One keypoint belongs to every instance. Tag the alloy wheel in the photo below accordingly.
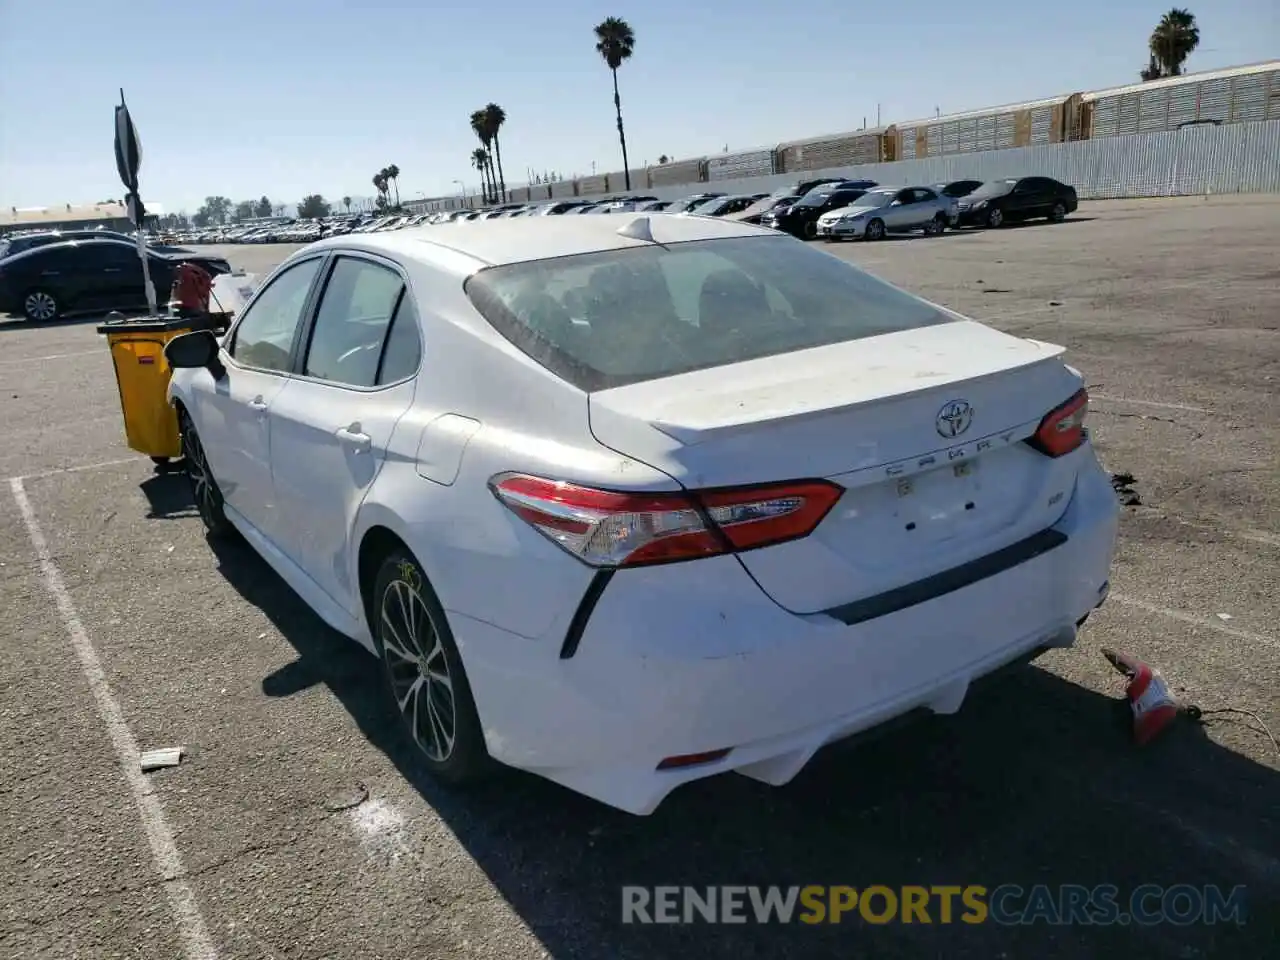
(1058, 213)
(418, 668)
(875, 230)
(995, 217)
(40, 306)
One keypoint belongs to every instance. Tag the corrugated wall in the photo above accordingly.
(678, 172)
(735, 166)
(1233, 158)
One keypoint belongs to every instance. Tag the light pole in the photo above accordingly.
(462, 190)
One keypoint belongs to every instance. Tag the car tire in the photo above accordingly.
(994, 218)
(40, 306)
(810, 230)
(424, 674)
(874, 230)
(1058, 213)
(204, 488)
(936, 226)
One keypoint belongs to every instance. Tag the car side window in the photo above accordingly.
(403, 350)
(904, 196)
(264, 336)
(924, 196)
(351, 323)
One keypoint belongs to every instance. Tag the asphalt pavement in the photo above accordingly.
(298, 824)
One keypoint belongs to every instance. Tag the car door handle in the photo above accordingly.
(355, 437)
(258, 404)
(110, 269)
(50, 273)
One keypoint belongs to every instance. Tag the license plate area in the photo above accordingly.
(939, 504)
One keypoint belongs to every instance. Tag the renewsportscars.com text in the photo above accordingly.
(1007, 904)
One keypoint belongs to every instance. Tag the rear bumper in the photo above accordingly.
(685, 659)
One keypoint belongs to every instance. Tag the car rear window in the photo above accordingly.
(608, 319)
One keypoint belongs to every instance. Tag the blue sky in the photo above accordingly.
(288, 97)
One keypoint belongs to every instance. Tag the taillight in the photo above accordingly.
(1062, 429)
(607, 528)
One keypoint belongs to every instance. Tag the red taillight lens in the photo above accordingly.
(1062, 429)
(606, 528)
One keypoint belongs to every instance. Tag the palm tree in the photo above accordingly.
(380, 184)
(480, 125)
(494, 118)
(615, 42)
(480, 160)
(1172, 41)
(346, 202)
(393, 174)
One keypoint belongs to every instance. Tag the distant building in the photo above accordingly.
(108, 216)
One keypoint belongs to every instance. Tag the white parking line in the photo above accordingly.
(58, 356)
(1202, 622)
(182, 901)
(84, 466)
(1150, 403)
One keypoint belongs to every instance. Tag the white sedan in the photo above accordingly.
(632, 501)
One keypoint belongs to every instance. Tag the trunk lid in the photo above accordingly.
(922, 428)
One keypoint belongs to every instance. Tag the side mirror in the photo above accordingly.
(195, 351)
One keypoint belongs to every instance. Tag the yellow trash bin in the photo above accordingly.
(142, 374)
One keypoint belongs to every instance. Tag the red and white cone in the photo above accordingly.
(1154, 707)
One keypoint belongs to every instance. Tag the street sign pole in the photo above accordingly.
(128, 162)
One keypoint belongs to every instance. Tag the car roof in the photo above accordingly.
(521, 239)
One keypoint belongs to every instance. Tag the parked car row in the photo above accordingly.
(864, 210)
(828, 208)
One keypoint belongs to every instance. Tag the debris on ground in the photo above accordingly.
(348, 798)
(1150, 699)
(1123, 483)
(159, 759)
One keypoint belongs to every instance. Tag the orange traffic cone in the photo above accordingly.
(1153, 706)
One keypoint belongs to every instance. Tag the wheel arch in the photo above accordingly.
(376, 544)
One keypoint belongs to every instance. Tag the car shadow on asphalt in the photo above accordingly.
(1035, 781)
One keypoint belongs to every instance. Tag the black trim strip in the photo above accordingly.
(578, 625)
(948, 581)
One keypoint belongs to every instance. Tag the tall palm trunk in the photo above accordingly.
(396, 183)
(490, 185)
(502, 180)
(622, 137)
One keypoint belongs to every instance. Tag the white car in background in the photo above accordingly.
(886, 210)
(632, 501)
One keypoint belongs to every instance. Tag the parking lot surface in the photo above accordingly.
(298, 826)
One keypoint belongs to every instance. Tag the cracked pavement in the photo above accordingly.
(307, 831)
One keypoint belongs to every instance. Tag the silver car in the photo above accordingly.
(889, 210)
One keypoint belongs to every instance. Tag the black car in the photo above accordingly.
(957, 188)
(757, 210)
(801, 187)
(688, 203)
(997, 202)
(12, 246)
(88, 276)
(800, 219)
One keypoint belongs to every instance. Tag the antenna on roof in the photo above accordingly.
(638, 229)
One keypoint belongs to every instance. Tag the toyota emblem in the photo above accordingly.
(954, 419)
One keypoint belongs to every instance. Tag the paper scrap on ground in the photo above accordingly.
(158, 759)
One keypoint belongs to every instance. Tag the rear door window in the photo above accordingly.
(359, 300)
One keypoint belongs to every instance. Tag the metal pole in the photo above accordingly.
(146, 273)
